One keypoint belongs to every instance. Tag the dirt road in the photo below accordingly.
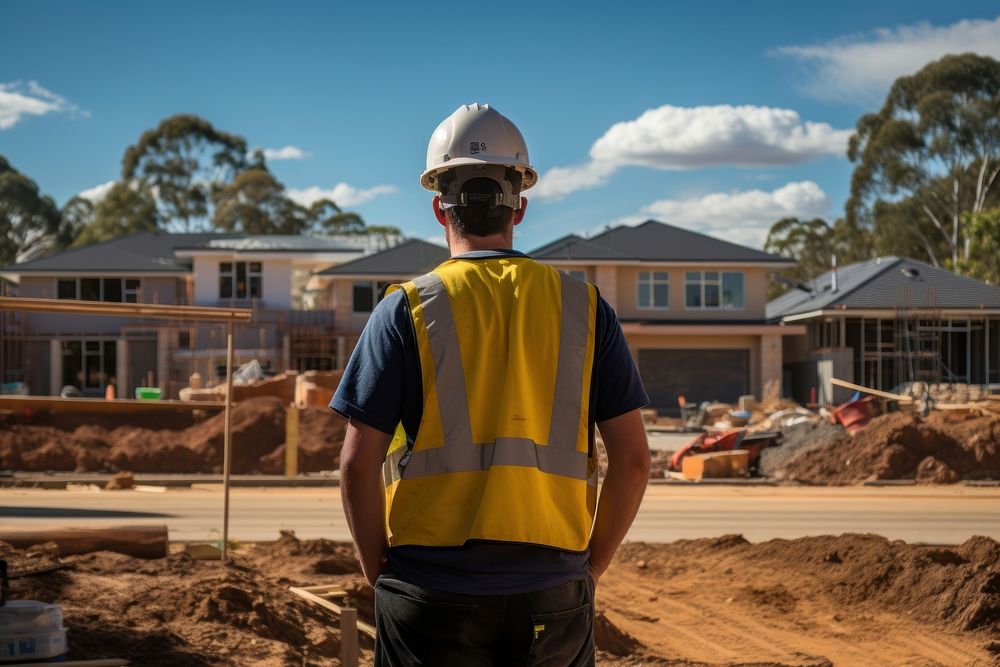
(934, 515)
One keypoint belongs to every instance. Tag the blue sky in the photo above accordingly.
(720, 117)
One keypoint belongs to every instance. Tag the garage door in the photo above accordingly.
(698, 375)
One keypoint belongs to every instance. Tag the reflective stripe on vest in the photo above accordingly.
(459, 454)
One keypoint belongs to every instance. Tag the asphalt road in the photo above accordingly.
(936, 515)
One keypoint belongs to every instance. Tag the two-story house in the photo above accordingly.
(269, 273)
(692, 306)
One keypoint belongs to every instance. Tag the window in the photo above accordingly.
(132, 290)
(713, 289)
(66, 289)
(90, 289)
(240, 280)
(89, 365)
(653, 289)
(366, 294)
(113, 290)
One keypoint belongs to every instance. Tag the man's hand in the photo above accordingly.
(363, 494)
(623, 488)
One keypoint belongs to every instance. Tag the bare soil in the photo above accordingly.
(853, 599)
(175, 443)
(945, 447)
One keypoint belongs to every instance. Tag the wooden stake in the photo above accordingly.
(349, 637)
(291, 441)
(308, 593)
(227, 442)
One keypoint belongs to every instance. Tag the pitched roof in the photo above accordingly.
(887, 282)
(142, 252)
(651, 241)
(410, 258)
(150, 252)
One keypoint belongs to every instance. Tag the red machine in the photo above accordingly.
(725, 441)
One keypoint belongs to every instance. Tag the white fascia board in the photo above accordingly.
(893, 313)
(368, 276)
(638, 262)
(721, 328)
(97, 273)
(338, 256)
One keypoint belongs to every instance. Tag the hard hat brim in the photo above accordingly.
(428, 179)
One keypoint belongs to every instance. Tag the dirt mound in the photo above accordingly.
(796, 440)
(610, 639)
(959, 586)
(176, 610)
(901, 445)
(851, 599)
(153, 442)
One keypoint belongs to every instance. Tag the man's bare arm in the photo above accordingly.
(624, 485)
(363, 493)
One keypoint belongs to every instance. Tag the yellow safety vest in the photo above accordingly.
(502, 453)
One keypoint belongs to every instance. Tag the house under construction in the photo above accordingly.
(887, 322)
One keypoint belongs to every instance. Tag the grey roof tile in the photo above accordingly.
(652, 241)
(887, 282)
(141, 252)
(410, 258)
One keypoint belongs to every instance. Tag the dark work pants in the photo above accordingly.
(420, 626)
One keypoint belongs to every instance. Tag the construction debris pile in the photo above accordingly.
(871, 438)
(805, 601)
(170, 442)
(942, 448)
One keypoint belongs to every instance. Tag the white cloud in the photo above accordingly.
(558, 182)
(98, 192)
(866, 65)
(18, 100)
(681, 138)
(742, 216)
(341, 194)
(285, 153)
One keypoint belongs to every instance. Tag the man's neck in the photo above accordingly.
(460, 244)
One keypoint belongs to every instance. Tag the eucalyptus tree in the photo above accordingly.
(930, 155)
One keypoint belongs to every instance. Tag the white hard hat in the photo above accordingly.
(476, 134)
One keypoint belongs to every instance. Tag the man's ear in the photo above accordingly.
(439, 213)
(519, 214)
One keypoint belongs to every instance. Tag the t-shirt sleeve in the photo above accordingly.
(617, 386)
(371, 389)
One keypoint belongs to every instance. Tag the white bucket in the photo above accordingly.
(31, 630)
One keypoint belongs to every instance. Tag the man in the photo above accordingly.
(475, 390)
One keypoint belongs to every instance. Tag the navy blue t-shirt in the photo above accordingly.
(381, 387)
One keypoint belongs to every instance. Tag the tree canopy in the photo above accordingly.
(928, 156)
(255, 202)
(813, 243)
(127, 208)
(28, 219)
(184, 160)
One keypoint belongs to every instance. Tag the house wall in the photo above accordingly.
(169, 290)
(275, 278)
(622, 281)
(340, 298)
